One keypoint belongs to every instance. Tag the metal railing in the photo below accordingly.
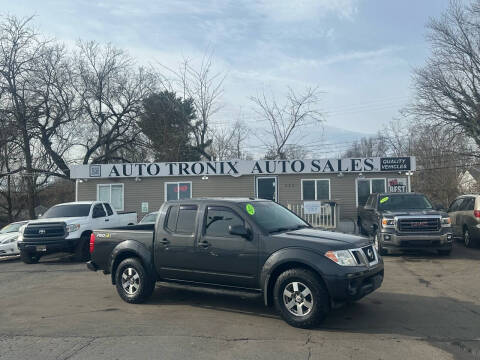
(326, 217)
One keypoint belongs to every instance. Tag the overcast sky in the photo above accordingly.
(359, 52)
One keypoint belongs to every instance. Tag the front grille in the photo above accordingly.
(419, 225)
(44, 231)
(365, 256)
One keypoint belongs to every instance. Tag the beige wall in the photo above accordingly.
(151, 189)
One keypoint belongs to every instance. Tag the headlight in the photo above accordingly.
(342, 257)
(73, 227)
(388, 223)
(446, 222)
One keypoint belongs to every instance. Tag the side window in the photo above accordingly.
(171, 222)
(108, 208)
(218, 221)
(98, 211)
(369, 202)
(454, 205)
(469, 204)
(186, 219)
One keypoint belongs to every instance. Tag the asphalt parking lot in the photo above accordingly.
(427, 308)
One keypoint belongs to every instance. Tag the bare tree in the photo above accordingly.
(228, 143)
(286, 119)
(20, 51)
(110, 91)
(368, 147)
(205, 87)
(447, 87)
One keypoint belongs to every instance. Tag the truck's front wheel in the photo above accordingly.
(29, 257)
(301, 298)
(134, 284)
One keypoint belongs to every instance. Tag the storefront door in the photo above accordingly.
(267, 188)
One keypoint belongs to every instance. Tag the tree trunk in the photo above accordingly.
(30, 181)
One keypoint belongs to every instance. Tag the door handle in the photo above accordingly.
(164, 242)
(107, 219)
(204, 244)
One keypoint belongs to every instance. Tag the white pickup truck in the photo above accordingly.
(67, 228)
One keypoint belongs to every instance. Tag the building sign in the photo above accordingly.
(243, 167)
(395, 164)
(144, 207)
(396, 185)
(312, 207)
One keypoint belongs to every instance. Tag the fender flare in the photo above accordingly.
(133, 248)
(288, 255)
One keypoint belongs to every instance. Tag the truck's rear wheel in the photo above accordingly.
(29, 257)
(301, 298)
(134, 284)
(82, 250)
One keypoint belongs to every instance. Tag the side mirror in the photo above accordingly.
(239, 230)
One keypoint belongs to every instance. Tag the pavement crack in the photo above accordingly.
(76, 351)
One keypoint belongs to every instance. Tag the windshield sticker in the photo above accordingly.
(250, 209)
(384, 199)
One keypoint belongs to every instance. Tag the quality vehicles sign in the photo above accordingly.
(243, 167)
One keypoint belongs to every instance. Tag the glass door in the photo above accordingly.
(267, 188)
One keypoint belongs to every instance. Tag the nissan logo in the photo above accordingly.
(41, 231)
(370, 253)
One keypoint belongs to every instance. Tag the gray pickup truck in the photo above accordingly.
(244, 244)
(405, 221)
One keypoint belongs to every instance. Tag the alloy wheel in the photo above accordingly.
(130, 281)
(298, 298)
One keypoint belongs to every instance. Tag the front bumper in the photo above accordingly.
(48, 246)
(432, 241)
(354, 283)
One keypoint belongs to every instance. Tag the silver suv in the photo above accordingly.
(464, 213)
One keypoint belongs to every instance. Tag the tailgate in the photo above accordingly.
(106, 240)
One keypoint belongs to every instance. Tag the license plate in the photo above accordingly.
(41, 248)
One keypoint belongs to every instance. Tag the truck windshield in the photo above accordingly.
(71, 210)
(403, 202)
(273, 217)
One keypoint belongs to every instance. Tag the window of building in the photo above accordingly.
(178, 190)
(318, 189)
(365, 187)
(111, 193)
(181, 219)
(218, 221)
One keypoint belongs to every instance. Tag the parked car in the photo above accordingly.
(251, 245)
(405, 221)
(67, 228)
(8, 238)
(150, 218)
(465, 214)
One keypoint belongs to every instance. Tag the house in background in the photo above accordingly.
(469, 181)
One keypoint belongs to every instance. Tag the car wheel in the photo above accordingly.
(300, 298)
(467, 238)
(134, 284)
(378, 245)
(82, 250)
(29, 257)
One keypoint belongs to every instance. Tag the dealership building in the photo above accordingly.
(143, 187)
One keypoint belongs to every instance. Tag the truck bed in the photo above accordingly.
(106, 240)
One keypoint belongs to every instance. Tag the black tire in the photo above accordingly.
(378, 245)
(318, 299)
(29, 257)
(82, 250)
(467, 238)
(140, 285)
(445, 252)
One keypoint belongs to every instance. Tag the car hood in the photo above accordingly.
(66, 220)
(322, 240)
(413, 213)
(8, 236)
